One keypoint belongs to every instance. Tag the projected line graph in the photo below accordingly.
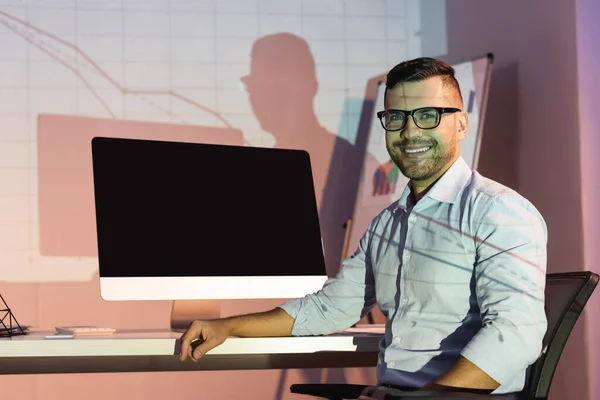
(163, 66)
(31, 34)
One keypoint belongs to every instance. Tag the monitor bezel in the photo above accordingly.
(193, 287)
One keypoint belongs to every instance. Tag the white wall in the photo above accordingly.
(164, 62)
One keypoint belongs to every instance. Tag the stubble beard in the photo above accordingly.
(421, 170)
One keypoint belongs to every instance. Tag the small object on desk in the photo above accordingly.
(13, 330)
(59, 337)
(84, 330)
(6, 321)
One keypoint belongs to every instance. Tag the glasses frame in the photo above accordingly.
(440, 110)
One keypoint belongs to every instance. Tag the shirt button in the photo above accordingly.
(397, 339)
(406, 256)
(392, 364)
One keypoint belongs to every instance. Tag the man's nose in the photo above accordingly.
(411, 129)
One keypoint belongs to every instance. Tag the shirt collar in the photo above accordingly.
(447, 188)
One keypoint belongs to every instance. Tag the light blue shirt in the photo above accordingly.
(461, 272)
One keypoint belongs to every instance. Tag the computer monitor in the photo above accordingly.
(190, 221)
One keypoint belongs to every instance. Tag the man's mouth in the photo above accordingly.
(416, 149)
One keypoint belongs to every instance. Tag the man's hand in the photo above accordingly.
(271, 323)
(210, 333)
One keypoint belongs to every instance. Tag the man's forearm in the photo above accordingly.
(464, 374)
(275, 322)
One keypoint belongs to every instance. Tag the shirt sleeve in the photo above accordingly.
(510, 278)
(343, 300)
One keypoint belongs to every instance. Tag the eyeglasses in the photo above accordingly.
(424, 117)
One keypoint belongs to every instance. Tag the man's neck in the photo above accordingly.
(419, 193)
(420, 188)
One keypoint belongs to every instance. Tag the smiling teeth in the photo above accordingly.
(421, 150)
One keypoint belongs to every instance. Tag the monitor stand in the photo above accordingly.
(184, 312)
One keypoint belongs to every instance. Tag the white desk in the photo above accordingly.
(144, 351)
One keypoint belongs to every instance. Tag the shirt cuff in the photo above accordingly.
(292, 307)
(297, 310)
(492, 355)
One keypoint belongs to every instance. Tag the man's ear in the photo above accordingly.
(463, 125)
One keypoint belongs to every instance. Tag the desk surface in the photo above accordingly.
(137, 351)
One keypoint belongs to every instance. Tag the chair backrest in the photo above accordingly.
(566, 295)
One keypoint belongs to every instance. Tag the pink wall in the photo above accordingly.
(588, 64)
(539, 51)
(531, 140)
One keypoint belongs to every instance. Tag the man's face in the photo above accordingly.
(425, 154)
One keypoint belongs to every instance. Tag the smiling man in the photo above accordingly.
(421, 141)
(457, 265)
(467, 242)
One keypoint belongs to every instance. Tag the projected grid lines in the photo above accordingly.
(169, 61)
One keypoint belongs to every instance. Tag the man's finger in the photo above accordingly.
(183, 349)
(186, 344)
(200, 347)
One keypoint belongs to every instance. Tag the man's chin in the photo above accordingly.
(412, 167)
(417, 174)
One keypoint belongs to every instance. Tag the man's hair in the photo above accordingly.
(420, 69)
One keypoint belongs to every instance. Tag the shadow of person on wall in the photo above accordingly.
(282, 86)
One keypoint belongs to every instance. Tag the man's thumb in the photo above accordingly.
(201, 349)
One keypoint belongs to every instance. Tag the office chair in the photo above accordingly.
(565, 297)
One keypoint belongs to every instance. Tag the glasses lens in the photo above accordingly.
(427, 118)
(393, 120)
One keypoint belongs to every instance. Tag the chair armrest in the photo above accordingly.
(333, 391)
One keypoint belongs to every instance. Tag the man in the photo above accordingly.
(457, 264)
